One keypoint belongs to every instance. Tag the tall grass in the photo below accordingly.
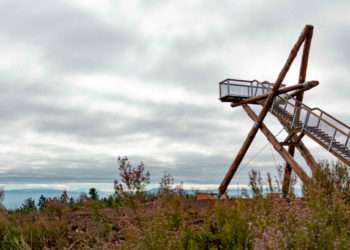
(320, 219)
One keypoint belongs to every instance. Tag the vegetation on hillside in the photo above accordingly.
(169, 219)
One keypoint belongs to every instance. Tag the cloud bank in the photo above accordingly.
(83, 82)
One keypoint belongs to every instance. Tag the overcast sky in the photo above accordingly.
(83, 82)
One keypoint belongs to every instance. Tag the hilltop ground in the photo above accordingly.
(172, 220)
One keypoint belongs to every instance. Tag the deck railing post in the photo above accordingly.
(285, 105)
(319, 120)
(333, 137)
(294, 117)
(306, 119)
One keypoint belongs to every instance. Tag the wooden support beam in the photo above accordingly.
(300, 88)
(269, 100)
(298, 138)
(278, 147)
(290, 135)
(293, 138)
(303, 150)
(291, 95)
(308, 157)
(293, 53)
(299, 97)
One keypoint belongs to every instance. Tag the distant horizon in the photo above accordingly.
(15, 194)
(102, 186)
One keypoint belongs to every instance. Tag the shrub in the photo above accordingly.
(64, 197)
(93, 194)
(28, 205)
(42, 202)
(133, 179)
(318, 220)
(166, 183)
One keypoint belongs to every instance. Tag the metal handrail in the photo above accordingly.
(310, 112)
(237, 80)
(319, 116)
(241, 85)
(332, 117)
(229, 80)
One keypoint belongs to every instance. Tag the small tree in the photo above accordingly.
(2, 197)
(132, 179)
(179, 189)
(28, 205)
(71, 202)
(42, 202)
(255, 183)
(109, 201)
(166, 183)
(82, 197)
(93, 194)
(64, 197)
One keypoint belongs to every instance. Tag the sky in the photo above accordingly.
(83, 82)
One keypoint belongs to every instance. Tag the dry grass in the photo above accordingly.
(320, 220)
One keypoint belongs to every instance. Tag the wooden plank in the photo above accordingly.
(269, 100)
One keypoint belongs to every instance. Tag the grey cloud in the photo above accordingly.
(74, 41)
(71, 39)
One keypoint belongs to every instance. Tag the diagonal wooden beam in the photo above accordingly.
(308, 157)
(269, 100)
(299, 97)
(297, 139)
(307, 29)
(289, 137)
(303, 150)
(278, 147)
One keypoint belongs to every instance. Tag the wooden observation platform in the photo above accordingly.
(299, 120)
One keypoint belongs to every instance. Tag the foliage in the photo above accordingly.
(166, 183)
(28, 205)
(167, 220)
(64, 197)
(42, 202)
(71, 202)
(93, 194)
(132, 179)
(2, 195)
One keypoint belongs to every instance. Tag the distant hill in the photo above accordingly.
(14, 198)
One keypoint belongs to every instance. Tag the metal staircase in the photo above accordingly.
(324, 129)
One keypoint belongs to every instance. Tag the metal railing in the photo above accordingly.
(243, 88)
(309, 118)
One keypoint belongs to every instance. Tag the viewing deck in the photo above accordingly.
(232, 90)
